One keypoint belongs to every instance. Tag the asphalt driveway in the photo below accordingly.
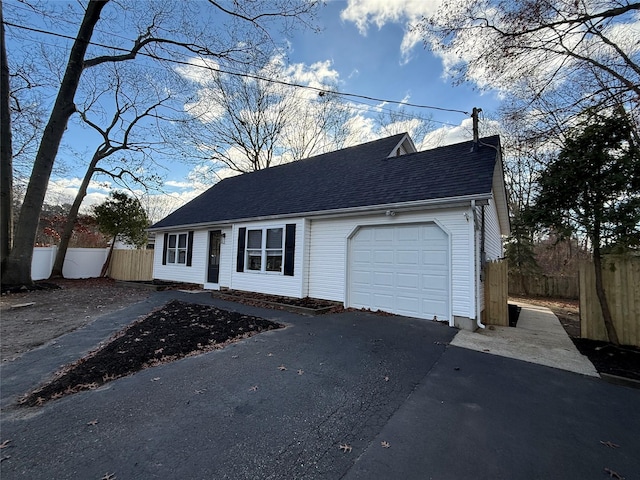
(351, 379)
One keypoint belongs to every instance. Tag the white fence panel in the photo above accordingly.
(78, 262)
(42, 262)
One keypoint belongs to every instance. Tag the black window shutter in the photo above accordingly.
(240, 258)
(164, 248)
(189, 247)
(289, 248)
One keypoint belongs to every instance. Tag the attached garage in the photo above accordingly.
(402, 269)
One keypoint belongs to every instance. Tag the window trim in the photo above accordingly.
(177, 250)
(289, 242)
(264, 250)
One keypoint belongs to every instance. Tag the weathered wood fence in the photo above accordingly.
(621, 278)
(544, 286)
(496, 293)
(131, 265)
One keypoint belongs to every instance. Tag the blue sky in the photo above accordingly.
(365, 46)
(373, 64)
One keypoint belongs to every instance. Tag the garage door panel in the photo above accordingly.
(408, 257)
(408, 280)
(382, 301)
(361, 256)
(407, 234)
(401, 269)
(382, 235)
(383, 257)
(383, 279)
(359, 277)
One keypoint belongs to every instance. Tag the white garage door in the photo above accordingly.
(400, 269)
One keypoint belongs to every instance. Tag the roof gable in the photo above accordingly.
(359, 176)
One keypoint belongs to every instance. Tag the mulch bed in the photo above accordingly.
(621, 361)
(176, 330)
(277, 301)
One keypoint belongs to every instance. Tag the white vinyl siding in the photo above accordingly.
(493, 241)
(328, 252)
(271, 283)
(181, 272)
(197, 272)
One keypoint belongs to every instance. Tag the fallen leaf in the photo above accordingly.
(254, 388)
(282, 368)
(93, 422)
(300, 371)
(613, 474)
(5, 444)
(609, 444)
(155, 379)
(345, 448)
(385, 444)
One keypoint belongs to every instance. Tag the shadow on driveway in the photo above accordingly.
(352, 379)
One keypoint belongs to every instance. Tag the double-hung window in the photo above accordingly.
(177, 248)
(264, 251)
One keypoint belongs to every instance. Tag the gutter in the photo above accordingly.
(461, 201)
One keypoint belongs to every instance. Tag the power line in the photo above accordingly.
(321, 91)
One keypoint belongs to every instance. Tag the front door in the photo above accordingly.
(214, 256)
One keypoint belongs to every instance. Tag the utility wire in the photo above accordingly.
(321, 91)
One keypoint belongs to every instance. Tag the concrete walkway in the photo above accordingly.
(538, 338)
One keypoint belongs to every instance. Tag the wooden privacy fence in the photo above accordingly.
(621, 278)
(544, 286)
(496, 293)
(131, 265)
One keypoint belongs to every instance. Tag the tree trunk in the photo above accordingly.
(18, 263)
(602, 297)
(6, 154)
(105, 267)
(56, 271)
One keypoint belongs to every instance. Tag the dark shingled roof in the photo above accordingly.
(352, 177)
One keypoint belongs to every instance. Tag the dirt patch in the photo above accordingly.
(58, 308)
(174, 331)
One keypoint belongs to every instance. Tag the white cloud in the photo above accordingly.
(450, 134)
(64, 190)
(380, 12)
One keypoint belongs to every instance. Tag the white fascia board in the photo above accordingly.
(448, 202)
(191, 226)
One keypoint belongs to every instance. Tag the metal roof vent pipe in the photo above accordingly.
(474, 117)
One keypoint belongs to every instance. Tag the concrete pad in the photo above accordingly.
(538, 338)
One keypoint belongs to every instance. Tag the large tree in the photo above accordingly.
(507, 42)
(592, 189)
(124, 136)
(6, 152)
(166, 30)
(552, 59)
(255, 118)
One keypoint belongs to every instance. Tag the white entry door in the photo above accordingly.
(400, 269)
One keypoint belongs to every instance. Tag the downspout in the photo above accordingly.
(476, 261)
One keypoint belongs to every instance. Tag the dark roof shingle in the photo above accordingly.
(352, 177)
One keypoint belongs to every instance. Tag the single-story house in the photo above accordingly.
(377, 226)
